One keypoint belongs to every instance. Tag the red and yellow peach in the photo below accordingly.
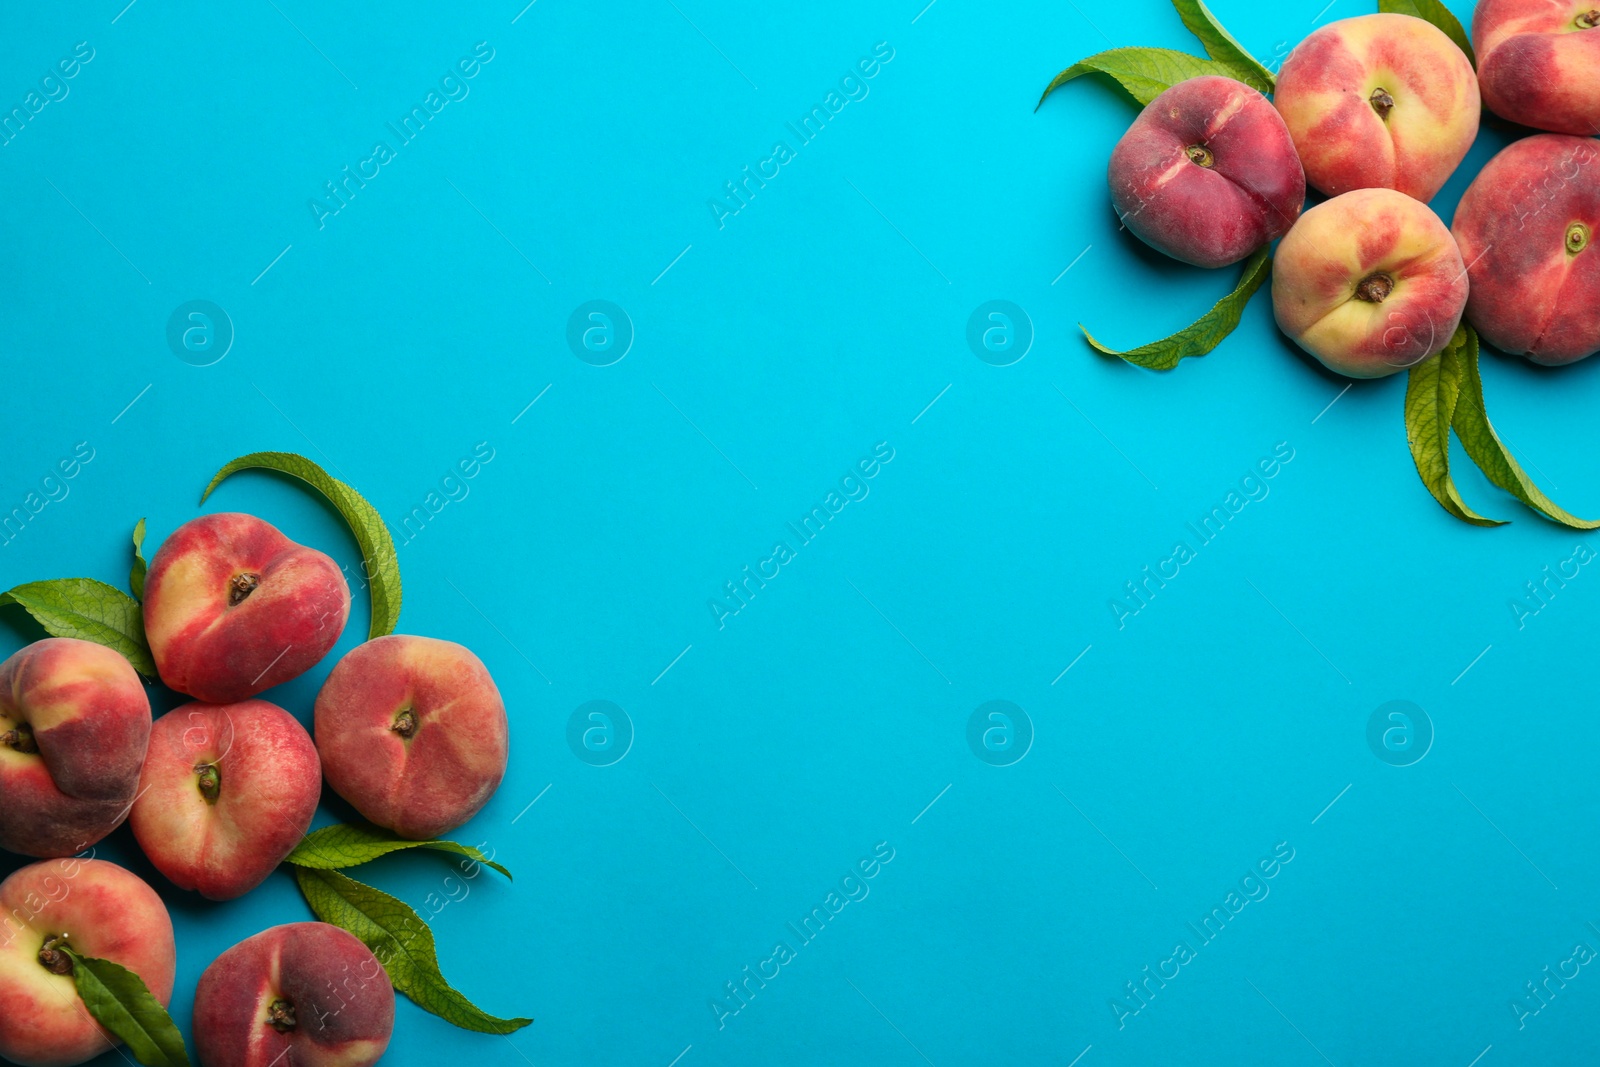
(228, 790)
(413, 733)
(1207, 173)
(1525, 227)
(307, 994)
(1539, 62)
(1379, 101)
(74, 721)
(99, 910)
(232, 607)
(1369, 282)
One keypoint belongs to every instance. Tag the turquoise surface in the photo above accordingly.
(845, 587)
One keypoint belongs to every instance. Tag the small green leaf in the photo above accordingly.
(1221, 46)
(1471, 423)
(402, 942)
(1206, 332)
(1145, 72)
(136, 576)
(336, 847)
(377, 547)
(119, 1000)
(90, 610)
(1435, 12)
(1433, 390)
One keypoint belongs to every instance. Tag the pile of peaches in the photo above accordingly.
(1376, 112)
(410, 730)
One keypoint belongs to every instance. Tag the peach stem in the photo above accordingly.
(20, 738)
(280, 1016)
(241, 586)
(51, 956)
(1381, 102)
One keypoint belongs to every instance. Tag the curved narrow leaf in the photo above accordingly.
(1433, 390)
(1221, 46)
(1471, 424)
(377, 546)
(1145, 72)
(401, 941)
(336, 847)
(119, 1000)
(136, 576)
(1206, 332)
(1435, 12)
(88, 610)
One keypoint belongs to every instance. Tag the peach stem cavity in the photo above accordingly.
(241, 586)
(20, 738)
(1375, 288)
(1381, 102)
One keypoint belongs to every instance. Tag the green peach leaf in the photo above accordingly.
(1206, 332)
(1145, 73)
(343, 845)
(88, 610)
(1221, 46)
(1471, 422)
(140, 567)
(1433, 391)
(1435, 12)
(402, 942)
(372, 535)
(119, 1000)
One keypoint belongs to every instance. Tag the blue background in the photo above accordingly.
(769, 355)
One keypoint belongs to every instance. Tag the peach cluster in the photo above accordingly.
(410, 730)
(1376, 113)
